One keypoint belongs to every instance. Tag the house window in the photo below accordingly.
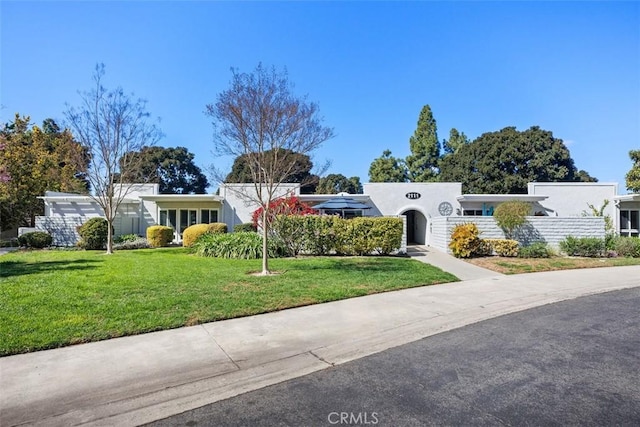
(472, 212)
(168, 218)
(187, 218)
(208, 216)
(629, 223)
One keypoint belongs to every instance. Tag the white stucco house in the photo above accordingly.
(431, 210)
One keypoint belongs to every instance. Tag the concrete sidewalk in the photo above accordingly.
(459, 268)
(134, 380)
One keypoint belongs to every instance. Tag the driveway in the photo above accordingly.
(575, 362)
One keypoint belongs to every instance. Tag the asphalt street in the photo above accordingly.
(575, 362)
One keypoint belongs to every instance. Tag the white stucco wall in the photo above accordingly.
(390, 198)
(570, 199)
(239, 201)
(551, 230)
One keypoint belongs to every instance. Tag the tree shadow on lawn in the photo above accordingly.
(20, 268)
(358, 264)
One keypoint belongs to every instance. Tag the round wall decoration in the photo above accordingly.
(445, 208)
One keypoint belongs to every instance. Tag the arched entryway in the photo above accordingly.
(416, 227)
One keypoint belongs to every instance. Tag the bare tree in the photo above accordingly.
(260, 118)
(111, 125)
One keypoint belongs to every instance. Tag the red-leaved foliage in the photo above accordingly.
(282, 206)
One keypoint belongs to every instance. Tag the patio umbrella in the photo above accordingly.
(341, 204)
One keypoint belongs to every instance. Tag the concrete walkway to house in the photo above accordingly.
(138, 379)
(461, 269)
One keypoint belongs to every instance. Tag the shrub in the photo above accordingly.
(246, 227)
(126, 238)
(503, 247)
(386, 234)
(191, 234)
(240, 245)
(535, 250)
(290, 230)
(627, 246)
(93, 234)
(35, 240)
(584, 247)
(465, 240)
(321, 235)
(511, 215)
(138, 243)
(159, 235)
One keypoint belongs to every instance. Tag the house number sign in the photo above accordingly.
(413, 195)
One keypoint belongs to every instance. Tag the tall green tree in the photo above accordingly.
(260, 117)
(34, 160)
(422, 163)
(172, 168)
(387, 168)
(455, 141)
(633, 176)
(504, 162)
(338, 183)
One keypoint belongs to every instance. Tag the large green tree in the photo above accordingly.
(34, 160)
(172, 168)
(338, 183)
(387, 168)
(422, 163)
(633, 176)
(455, 141)
(504, 162)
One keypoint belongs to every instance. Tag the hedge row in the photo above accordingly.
(323, 234)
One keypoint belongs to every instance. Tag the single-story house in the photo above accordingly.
(430, 210)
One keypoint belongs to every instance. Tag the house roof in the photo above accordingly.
(500, 197)
(181, 197)
(628, 198)
(78, 198)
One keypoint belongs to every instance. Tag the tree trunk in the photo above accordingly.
(109, 236)
(265, 244)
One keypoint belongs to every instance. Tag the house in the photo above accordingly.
(430, 210)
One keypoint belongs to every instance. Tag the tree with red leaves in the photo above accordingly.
(283, 206)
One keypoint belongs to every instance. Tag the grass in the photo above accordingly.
(531, 265)
(56, 298)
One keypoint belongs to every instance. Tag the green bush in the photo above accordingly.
(138, 243)
(125, 238)
(35, 240)
(585, 246)
(191, 234)
(239, 245)
(246, 227)
(503, 247)
(511, 215)
(465, 241)
(320, 233)
(386, 234)
(94, 234)
(323, 234)
(535, 250)
(627, 246)
(290, 230)
(159, 236)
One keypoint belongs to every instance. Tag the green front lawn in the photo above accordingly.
(56, 298)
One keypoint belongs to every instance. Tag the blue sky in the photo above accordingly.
(569, 67)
